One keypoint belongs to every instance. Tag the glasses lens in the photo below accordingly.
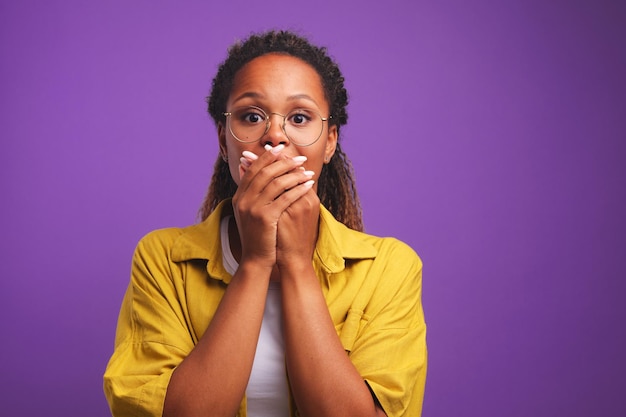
(248, 124)
(303, 126)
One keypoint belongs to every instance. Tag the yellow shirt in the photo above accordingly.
(372, 287)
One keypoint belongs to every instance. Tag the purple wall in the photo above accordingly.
(489, 135)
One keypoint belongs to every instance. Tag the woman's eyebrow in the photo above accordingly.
(294, 97)
(248, 94)
(302, 96)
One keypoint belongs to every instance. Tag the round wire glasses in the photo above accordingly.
(249, 124)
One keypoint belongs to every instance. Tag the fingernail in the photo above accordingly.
(245, 162)
(268, 147)
(276, 150)
(250, 155)
(308, 184)
(300, 158)
(309, 173)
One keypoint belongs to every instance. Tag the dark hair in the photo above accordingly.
(336, 186)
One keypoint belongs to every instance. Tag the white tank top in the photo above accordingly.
(267, 392)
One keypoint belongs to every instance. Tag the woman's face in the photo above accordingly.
(278, 84)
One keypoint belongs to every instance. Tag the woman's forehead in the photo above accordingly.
(278, 76)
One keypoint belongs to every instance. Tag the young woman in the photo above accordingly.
(277, 304)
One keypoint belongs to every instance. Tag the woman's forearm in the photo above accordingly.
(213, 377)
(323, 380)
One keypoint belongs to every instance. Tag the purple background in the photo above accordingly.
(489, 135)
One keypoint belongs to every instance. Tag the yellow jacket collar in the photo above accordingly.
(336, 243)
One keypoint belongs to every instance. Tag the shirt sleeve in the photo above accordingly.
(152, 335)
(389, 349)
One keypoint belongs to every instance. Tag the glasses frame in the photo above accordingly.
(268, 124)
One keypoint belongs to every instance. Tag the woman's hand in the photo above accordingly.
(297, 232)
(269, 185)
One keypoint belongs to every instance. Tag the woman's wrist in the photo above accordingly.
(254, 268)
(295, 267)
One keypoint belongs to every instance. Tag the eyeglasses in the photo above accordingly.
(249, 124)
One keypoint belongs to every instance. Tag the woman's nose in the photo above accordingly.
(275, 134)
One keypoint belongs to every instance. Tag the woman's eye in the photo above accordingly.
(252, 118)
(299, 118)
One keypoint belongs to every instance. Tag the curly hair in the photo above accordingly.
(336, 184)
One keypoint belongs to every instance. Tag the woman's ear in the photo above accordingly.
(221, 136)
(331, 143)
